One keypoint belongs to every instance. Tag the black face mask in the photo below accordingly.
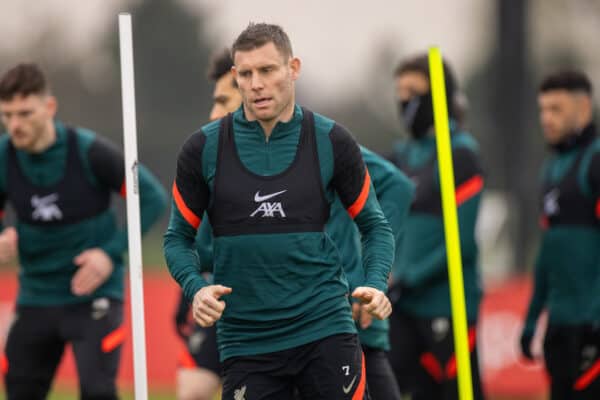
(417, 114)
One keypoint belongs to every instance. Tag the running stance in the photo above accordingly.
(59, 180)
(567, 270)
(421, 332)
(267, 176)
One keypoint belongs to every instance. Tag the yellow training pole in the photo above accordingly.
(446, 169)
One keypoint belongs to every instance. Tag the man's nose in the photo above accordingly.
(257, 82)
(13, 123)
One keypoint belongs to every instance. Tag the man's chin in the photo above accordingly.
(20, 144)
(264, 115)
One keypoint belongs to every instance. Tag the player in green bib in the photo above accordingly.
(59, 180)
(267, 175)
(567, 269)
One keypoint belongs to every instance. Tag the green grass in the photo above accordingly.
(65, 394)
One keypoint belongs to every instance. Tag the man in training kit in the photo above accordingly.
(59, 179)
(394, 192)
(199, 373)
(567, 270)
(421, 334)
(267, 176)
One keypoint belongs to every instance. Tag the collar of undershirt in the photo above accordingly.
(576, 139)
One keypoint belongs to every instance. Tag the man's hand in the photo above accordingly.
(95, 267)
(8, 244)
(207, 308)
(360, 315)
(375, 302)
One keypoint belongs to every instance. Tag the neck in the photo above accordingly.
(285, 116)
(579, 137)
(46, 140)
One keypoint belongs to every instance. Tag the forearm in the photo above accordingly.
(204, 246)
(538, 299)
(377, 244)
(153, 200)
(181, 256)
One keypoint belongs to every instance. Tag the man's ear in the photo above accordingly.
(295, 66)
(51, 105)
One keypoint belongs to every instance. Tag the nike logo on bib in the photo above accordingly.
(347, 389)
(258, 198)
(268, 209)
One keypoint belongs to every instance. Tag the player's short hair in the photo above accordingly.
(220, 65)
(567, 79)
(420, 64)
(259, 34)
(23, 79)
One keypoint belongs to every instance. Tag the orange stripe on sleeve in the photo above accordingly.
(113, 339)
(598, 209)
(1, 214)
(469, 189)
(188, 214)
(360, 389)
(359, 204)
(588, 377)
(123, 191)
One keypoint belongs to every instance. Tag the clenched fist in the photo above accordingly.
(207, 308)
(95, 267)
(374, 301)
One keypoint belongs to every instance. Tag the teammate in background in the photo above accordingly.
(199, 372)
(267, 176)
(567, 270)
(421, 332)
(394, 192)
(59, 180)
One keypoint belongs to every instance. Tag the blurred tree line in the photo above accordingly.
(173, 98)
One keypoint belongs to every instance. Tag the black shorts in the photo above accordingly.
(380, 377)
(37, 339)
(572, 355)
(201, 350)
(328, 369)
(423, 360)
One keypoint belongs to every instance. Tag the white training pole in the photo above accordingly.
(133, 208)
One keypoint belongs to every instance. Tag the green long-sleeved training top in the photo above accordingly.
(74, 171)
(288, 288)
(567, 268)
(422, 263)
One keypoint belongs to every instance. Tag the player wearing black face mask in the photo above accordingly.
(421, 336)
(417, 114)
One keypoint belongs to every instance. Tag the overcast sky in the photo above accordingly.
(334, 38)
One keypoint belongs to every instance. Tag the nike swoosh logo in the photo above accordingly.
(258, 198)
(346, 389)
